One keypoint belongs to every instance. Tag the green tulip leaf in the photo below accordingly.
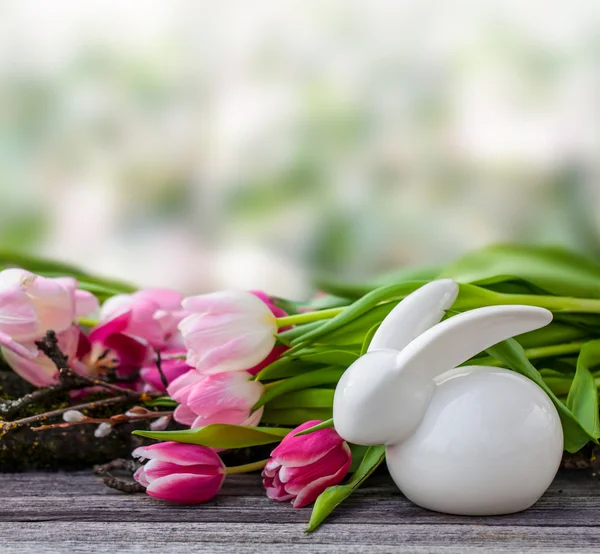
(359, 308)
(220, 435)
(553, 270)
(304, 381)
(368, 338)
(583, 395)
(323, 425)
(286, 367)
(332, 497)
(294, 416)
(307, 398)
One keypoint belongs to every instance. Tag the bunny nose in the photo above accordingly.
(375, 402)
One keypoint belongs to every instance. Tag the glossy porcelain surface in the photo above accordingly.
(471, 440)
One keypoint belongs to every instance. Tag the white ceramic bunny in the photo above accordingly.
(470, 440)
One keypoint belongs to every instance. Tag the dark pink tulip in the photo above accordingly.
(301, 468)
(180, 473)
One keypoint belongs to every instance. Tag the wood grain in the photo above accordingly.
(73, 512)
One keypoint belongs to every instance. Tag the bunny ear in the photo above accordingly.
(418, 312)
(461, 337)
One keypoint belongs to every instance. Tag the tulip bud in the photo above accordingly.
(221, 398)
(302, 467)
(227, 331)
(181, 473)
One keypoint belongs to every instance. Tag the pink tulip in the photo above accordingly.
(302, 467)
(154, 315)
(181, 473)
(227, 331)
(106, 349)
(30, 305)
(219, 398)
(39, 370)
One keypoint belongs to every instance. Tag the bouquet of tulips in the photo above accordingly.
(242, 369)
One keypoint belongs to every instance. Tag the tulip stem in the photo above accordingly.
(88, 322)
(247, 468)
(308, 317)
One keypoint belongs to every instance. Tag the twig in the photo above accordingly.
(9, 408)
(10, 425)
(49, 346)
(163, 378)
(112, 420)
(116, 482)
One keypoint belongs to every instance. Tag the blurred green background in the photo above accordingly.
(204, 145)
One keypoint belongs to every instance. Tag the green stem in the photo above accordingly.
(246, 468)
(539, 352)
(308, 317)
(88, 322)
(556, 304)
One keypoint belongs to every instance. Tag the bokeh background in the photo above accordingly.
(204, 145)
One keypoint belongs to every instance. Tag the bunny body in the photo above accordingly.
(471, 440)
(474, 452)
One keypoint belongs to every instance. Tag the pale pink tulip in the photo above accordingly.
(302, 467)
(39, 370)
(181, 473)
(154, 315)
(227, 331)
(106, 349)
(38, 302)
(216, 398)
(30, 305)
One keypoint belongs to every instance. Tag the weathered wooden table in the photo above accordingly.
(75, 513)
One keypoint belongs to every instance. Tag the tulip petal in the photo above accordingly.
(6, 341)
(296, 478)
(233, 391)
(140, 476)
(54, 303)
(305, 449)
(132, 354)
(232, 301)
(40, 371)
(184, 415)
(116, 325)
(185, 488)
(18, 317)
(85, 303)
(237, 354)
(311, 492)
(155, 469)
(166, 299)
(179, 453)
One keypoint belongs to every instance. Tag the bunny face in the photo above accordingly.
(383, 396)
(375, 401)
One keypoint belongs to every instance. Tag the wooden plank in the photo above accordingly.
(74, 512)
(165, 538)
